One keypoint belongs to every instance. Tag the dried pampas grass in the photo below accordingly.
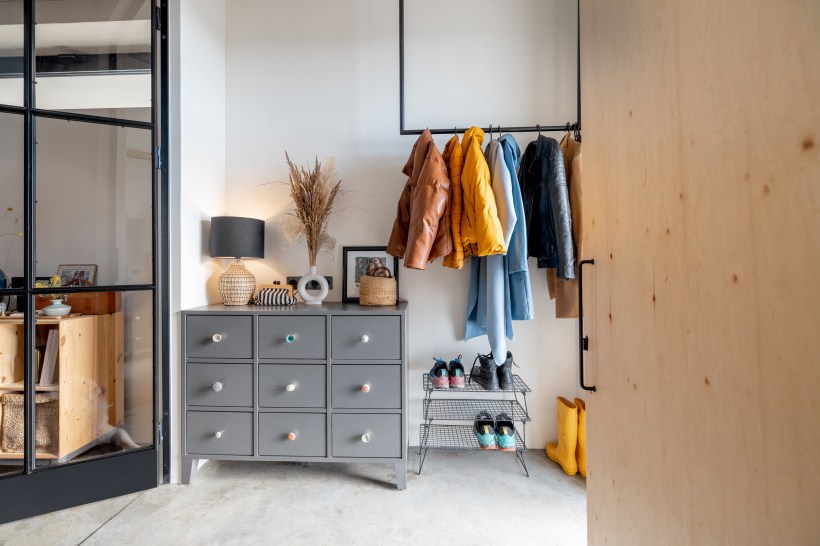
(313, 192)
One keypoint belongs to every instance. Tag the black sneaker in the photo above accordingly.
(456, 373)
(505, 432)
(484, 428)
(505, 376)
(486, 376)
(439, 375)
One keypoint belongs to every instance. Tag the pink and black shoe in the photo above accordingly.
(439, 375)
(456, 373)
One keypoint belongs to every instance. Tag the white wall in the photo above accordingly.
(197, 151)
(321, 78)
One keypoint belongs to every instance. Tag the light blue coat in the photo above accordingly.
(521, 301)
(499, 285)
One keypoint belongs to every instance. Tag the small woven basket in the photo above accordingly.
(379, 289)
(46, 423)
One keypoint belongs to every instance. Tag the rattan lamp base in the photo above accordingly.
(236, 285)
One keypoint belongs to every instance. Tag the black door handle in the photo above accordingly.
(583, 340)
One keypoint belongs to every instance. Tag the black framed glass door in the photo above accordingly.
(82, 353)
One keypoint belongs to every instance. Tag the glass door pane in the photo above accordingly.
(94, 57)
(95, 376)
(11, 53)
(12, 179)
(94, 202)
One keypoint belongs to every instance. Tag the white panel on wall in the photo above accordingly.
(321, 79)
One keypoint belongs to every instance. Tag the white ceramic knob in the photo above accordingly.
(291, 387)
(365, 338)
(218, 434)
(366, 387)
(217, 386)
(217, 338)
(291, 436)
(365, 438)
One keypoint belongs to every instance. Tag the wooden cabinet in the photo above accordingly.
(88, 381)
(302, 383)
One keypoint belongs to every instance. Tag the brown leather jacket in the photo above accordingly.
(421, 232)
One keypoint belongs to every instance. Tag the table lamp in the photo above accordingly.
(236, 237)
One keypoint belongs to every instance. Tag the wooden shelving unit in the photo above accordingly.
(89, 386)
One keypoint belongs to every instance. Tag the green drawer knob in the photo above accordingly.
(290, 338)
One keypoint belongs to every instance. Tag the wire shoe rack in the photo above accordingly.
(433, 434)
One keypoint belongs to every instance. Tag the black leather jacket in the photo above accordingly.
(546, 206)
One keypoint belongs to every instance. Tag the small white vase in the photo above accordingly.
(57, 309)
(307, 297)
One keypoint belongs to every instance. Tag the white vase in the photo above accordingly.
(307, 297)
(57, 309)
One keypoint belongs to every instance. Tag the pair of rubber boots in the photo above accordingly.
(571, 450)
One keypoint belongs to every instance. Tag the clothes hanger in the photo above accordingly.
(539, 129)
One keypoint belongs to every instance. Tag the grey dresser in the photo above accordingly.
(303, 383)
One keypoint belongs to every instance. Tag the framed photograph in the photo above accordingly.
(77, 274)
(363, 260)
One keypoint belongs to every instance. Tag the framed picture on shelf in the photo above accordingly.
(77, 274)
(364, 260)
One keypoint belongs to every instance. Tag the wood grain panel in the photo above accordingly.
(702, 210)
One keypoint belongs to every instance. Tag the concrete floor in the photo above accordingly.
(460, 498)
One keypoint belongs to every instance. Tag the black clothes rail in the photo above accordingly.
(574, 126)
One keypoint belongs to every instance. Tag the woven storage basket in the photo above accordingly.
(47, 424)
(377, 290)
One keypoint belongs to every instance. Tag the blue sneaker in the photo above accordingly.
(505, 432)
(440, 375)
(484, 428)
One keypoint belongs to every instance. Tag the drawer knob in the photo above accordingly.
(366, 387)
(218, 433)
(217, 338)
(291, 436)
(365, 438)
(291, 387)
(365, 338)
(290, 338)
(217, 386)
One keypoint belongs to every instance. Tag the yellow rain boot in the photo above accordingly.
(581, 449)
(564, 452)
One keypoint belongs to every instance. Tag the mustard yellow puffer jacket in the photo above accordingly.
(454, 158)
(481, 233)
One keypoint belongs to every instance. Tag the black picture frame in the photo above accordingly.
(350, 294)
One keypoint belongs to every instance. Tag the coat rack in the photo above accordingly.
(574, 126)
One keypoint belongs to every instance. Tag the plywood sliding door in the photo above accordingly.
(702, 187)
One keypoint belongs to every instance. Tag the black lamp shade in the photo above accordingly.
(237, 237)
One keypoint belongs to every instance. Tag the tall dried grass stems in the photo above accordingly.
(313, 192)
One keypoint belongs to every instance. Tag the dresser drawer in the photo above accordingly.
(219, 384)
(292, 434)
(219, 433)
(366, 435)
(357, 337)
(292, 337)
(292, 385)
(219, 336)
(366, 386)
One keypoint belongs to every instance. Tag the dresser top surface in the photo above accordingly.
(325, 308)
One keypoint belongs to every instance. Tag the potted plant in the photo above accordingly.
(313, 191)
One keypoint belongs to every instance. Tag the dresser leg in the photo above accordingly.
(401, 476)
(189, 467)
